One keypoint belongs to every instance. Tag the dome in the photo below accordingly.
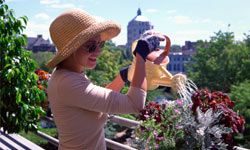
(141, 19)
(137, 26)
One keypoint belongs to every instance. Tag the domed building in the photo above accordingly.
(138, 25)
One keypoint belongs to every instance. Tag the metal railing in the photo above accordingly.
(109, 143)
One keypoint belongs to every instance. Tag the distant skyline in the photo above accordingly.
(181, 20)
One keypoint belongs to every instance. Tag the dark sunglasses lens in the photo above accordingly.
(92, 48)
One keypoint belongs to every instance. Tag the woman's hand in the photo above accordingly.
(147, 43)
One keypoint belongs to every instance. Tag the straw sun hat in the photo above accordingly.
(73, 28)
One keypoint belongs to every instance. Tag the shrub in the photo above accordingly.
(20, 96)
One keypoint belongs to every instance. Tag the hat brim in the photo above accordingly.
(107, 30)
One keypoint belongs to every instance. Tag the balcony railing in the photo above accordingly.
(110, 144)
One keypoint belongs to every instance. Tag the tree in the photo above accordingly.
(240, 94)
(220, 62)
(42, 59)
(20, 96)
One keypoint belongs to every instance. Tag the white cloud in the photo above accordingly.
(57, 4)
(34, 28)
(42, 16)
(151, 10)
(62, 5)
(12, 1)
(49, 2)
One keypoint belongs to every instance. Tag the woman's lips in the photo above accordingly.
(92, 59)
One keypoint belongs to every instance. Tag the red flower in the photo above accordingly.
(43, 79)
(158, 118)
(40, 87)
(218, 101)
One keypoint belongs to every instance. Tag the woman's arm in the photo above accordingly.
(139, 79)
(117, 84)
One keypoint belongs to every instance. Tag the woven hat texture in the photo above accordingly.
(73, 28)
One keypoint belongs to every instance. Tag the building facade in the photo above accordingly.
(39, 44)
(138, 25)
(178, 60)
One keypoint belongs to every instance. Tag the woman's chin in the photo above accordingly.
(91, 66)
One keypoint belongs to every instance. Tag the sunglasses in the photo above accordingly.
(92, 46)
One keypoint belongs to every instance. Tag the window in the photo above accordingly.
(169, 67)
(178, 67)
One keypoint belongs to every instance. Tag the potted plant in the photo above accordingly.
(207, 123)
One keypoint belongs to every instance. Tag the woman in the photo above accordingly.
(79, 107)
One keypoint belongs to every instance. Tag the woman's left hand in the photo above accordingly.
(148, 42)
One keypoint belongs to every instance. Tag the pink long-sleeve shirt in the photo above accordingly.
(80, 109)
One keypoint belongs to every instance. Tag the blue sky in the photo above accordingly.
(181, 20)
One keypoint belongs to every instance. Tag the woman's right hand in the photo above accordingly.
(148, 42)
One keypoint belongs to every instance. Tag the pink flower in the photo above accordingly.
(179, 102)
(177, 111)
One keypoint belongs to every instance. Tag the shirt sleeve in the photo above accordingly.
(76, 91)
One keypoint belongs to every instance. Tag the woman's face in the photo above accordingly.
(87, 54)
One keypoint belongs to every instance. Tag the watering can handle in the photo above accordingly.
(167, 46)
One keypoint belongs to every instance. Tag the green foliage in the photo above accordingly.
(154, 94)
(42, 58)
(112, 128)
(240, 94)
(31, 136)
(36, 139)
(220, 62)
(128, 116)
(125, 89)
(20, 96)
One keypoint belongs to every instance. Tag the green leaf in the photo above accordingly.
(25, 19)
(18, 97)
